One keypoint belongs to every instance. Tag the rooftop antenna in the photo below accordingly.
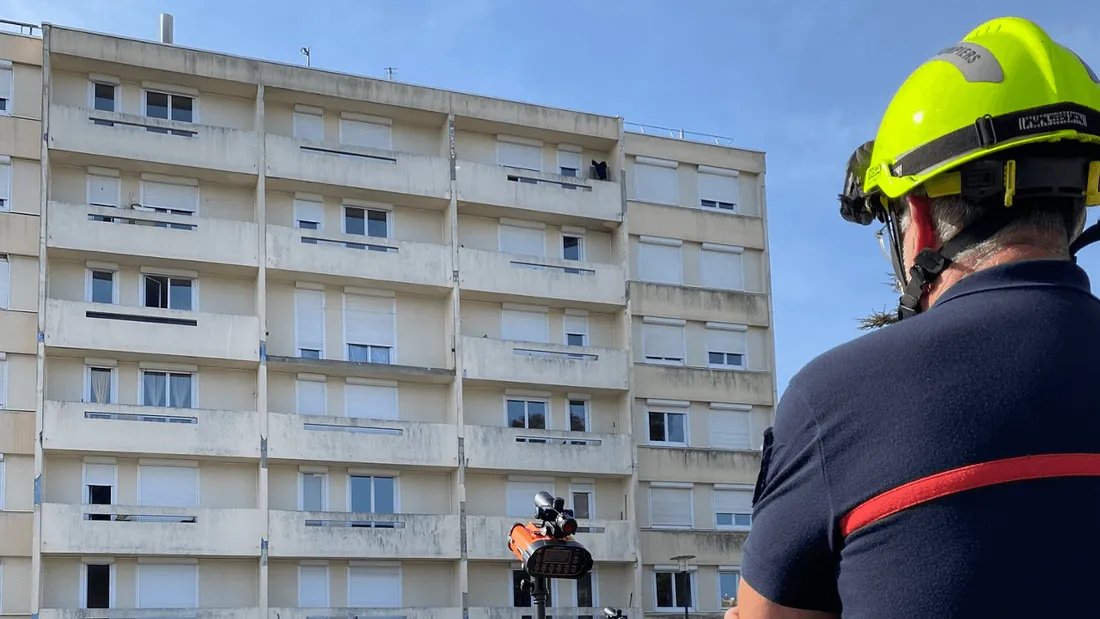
(305, 52)
(389, 72)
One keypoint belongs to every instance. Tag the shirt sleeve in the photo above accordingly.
(788, 557)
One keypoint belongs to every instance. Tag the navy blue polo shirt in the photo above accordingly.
(1005, 364)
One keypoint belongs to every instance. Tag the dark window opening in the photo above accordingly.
(98, 586)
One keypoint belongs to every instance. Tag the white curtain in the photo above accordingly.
(101, 386)
(154, 389)
(181, 390)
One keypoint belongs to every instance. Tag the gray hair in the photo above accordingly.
(1044, 228)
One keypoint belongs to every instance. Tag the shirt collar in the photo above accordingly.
(1024, 273)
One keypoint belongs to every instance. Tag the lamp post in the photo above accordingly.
(685, 593)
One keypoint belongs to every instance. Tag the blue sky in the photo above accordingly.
(804, 80)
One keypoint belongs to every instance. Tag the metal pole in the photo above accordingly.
(538, 593)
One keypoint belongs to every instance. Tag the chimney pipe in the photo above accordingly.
(166, 28)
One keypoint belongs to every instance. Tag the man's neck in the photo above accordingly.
(959, 270)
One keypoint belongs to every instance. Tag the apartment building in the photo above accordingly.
(277, 342)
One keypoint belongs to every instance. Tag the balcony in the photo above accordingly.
(702, 466)
(342, 439)
(552, 612)
(671, 382)
(711, 547)
(539, 193)
(356, 257)
(341, 165)
(21, 137)
(16, 533)
(113, 428)
(138, 530)
(363, 536)
(88, 327)
(507, 362)
(420, 612)
(547, 451)
(72, 130)
(198, 240)
(150, 613)
(615, 541)
(702, 304)
(595, 285)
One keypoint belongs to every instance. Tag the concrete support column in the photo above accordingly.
(261, 371)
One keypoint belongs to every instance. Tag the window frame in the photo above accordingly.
(5, 283)
(714, 506)
(570, 150)
(105, 80)
(311, 199)
(666, 411)
(586, 486)
(726, 569)
(325, 487)
(88, 367)
(582, 255)
(690, 487)
(665, 322)
(328, 579)
(321, 380)
(324, 326)
(101, 173)
(715, 326)
(527, 399)
(585, 336)
(5, 384)
(392, 360)
(6, 162)
(89, 280)
(167, 385)
(366, 207)
(661, 242)
(394, 475)
(84, 581)
(307, 110)
(716, 248)
(84, 498)
(3, 485)
(569, 400)
(9, 109)
(171, 276)
(693, 588)
(172, 92)
(650, 162)
(723, 172)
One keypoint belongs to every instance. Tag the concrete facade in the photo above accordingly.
(277, 342)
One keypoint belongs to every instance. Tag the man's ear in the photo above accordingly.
(921, 233)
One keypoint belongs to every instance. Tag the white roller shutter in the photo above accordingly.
(656, 184)
(3, 384)
(311, 397)
(663, 342)
(369, 319)
(103, 190)
(733, 501)
(5, 282)
(730, 429)
(313, 586)
(6, 86)
(5, 187)
(168, 486)
(722, 340)
(309, 126)
(521, 497)
(524, 326)
(309, 318)
(370, 402)
(523, 156)
(167, 586)
(365, 134)
(170, 196)
(670, 506)
(374, 586)
(719, 188)
(577, 324)
(521, 240)
(306, 210)
(99, 474)
(659, 263)
(722, 270)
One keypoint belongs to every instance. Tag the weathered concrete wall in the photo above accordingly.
(687, 383)
(494, 360)
(493, 272)
(409, 223)
(486, 407)
(16, 586)
(487, 183)
(699, 304)
(710, 547)
(695, 340)
(417, 536)
(483, 319)
(489, 447)
(695, 225)
(415, 401)
(423, 586)
(19, 236)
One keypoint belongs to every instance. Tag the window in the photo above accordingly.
(718, 189)
(730, 428)
(104, 189)
(101, 386)
(522, 239)
(586, 597)
(313, 587)
(569, 161)
(311, 396)
(168, 486)
(5, 184)
(668, 427)
(659, 260)
(313, 492)
(671, 507)
(530, 414)
(367, 222)
(572, 247)
(728, 582)
(521, 597)
(104, 96)
(583, 503)
(576, 329)
(372, 495)
(169, 106)
(519, 153)
(365, 131)
(5, 282)
(674, 590)
(100, 481)
(7, 81)
(169, 292)
(309, 214)
(98, 586)
(167, 389)
(521, 496)
(726, 346)
(369, 328)
(172, 585)
(656, 181)
(524, 324)
(370, 401)
(663, 340)
(3, 382)
(3, 488)
(374, 586)
(733, 509)
(721, 267)
(578, 416)
(174, 198)
(309, 323)
(101, 286)
(309, 123)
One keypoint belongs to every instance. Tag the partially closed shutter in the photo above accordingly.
(309, 126)
(5, 282)
(670, 506)
(733, 501)
(5, 187)
(656, 184)
(523, 156)
(5, 86)
(171, 196)
(365, 134)
(369, 319)
(521, 497)
(306, 210)
(659, 263)
(576, 324)
(313, 586)
(99, 474)
(729, 429)
(524, 326)
(167, 586)
(371, 402)
(168, 486)
(374, 586)
(663, 341)
(719, 188)
(521, 240)
(722, 340)
(311, 397)
(722, 270)
(309, 319)
(103, 190)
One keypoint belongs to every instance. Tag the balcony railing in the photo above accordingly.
(366, 613)
(365, 535)
(150, 613)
